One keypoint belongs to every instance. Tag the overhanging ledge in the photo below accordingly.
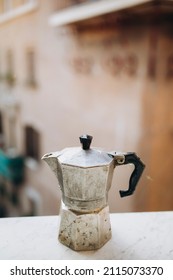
(89, 10)
(19, 11)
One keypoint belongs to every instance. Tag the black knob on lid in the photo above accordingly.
(85, 141)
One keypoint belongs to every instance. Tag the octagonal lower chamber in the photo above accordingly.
(87, 231)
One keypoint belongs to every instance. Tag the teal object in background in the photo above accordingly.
(12, 168)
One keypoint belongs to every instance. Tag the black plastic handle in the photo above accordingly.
(136, 174)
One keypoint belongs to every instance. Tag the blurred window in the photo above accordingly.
(1, 124)
(18, 3)
(8, 5)
(170, 66)
(1, 76)
(1, 6)
(30, 64)
(32, 142)
(152, 66)
(10, 77)
(12, 132)
(1, 131)
(10, 62)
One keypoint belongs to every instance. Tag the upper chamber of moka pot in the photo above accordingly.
(84, 175)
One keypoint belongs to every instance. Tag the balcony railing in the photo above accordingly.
(12, 168)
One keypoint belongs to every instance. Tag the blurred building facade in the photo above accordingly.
(107, 73)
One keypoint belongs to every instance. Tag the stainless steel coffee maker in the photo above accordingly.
(85, 176)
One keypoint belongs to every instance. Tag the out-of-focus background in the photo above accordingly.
(69, 67)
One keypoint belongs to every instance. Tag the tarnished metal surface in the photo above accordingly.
(85, 189)
(85, 177)
(88, 231)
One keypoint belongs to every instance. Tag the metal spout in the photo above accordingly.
(52, 160)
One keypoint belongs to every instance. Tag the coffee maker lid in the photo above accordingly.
(84, 156)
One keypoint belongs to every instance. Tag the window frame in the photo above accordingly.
(32, 142)
(30, 63)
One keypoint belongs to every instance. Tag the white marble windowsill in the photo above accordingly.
(134, 236)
